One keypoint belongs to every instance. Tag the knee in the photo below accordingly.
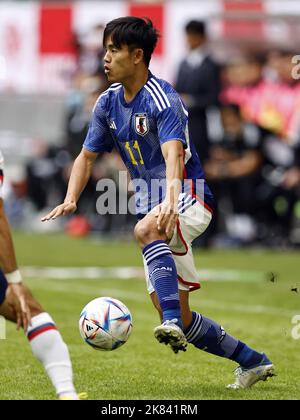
(144, 232)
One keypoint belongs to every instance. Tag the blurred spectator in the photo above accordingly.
(272, 103)
(107, 166)
(278, 194)
(79, 111)
(245, 70)
(44, 175)
(233, 170)
(199, 85)
(90, 51)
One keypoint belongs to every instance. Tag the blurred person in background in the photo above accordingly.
(233, 171)
(77, 125)
(78, 117)
(90, 55)
(245, 70)
(44, 174)
(278, 195)
(18, 305)
(89, 74)
(198, 83)
(266, 91)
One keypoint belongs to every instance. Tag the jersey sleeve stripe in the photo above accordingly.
(154, 97)
(155, 91)
(184, 108)
(115, 87)
(162, 92)
(106, 92)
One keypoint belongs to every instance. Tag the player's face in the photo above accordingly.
(119, 63)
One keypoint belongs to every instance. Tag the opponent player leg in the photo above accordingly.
(47, 346)
(163, 276)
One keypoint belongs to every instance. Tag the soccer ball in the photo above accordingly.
(105, 323)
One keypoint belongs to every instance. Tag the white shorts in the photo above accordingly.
(191, 224)
(1, 173)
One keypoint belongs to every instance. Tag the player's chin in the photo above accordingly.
(111, 78)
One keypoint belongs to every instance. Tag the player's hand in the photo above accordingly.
(63, 209)
(16, 299)
(167, 215)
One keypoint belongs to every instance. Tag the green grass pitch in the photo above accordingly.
(254, 309)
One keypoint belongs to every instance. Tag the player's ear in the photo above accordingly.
(138, 55)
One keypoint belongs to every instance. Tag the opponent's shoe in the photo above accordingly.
(170, 333)
(245, 378)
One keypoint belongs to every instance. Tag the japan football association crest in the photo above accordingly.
(141, 124)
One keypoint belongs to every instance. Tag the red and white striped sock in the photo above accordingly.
(49, 348)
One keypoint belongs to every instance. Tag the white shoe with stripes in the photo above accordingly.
(245, 378)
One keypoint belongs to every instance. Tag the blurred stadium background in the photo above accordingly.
(246, 126)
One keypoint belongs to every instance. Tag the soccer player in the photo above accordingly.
(144, 118)
(18, 305)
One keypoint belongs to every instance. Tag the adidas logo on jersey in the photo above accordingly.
(112, 125)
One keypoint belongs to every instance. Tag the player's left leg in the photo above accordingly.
(207, 335)
(47, 346)
(199, 330)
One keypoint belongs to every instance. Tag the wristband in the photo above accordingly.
(14, 277)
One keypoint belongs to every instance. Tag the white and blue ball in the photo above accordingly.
(105, 323)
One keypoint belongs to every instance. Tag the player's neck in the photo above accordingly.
(134, 84)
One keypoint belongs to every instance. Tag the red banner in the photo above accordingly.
(56, 30)
(245, 26)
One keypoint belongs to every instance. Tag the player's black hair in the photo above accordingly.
(134, 32)
(196, 27)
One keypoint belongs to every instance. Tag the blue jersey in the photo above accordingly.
(137, 130)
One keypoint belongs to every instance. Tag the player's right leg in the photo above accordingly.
(47, 346)
(186, 313)
(168, 332)
(162, 275)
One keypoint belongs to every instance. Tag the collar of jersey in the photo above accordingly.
(131, 103)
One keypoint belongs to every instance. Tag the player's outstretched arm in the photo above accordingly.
(80, 175)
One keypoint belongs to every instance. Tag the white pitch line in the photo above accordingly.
(125, 273)
(244, 308)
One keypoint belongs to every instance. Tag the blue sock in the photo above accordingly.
(247, 357)
(163, 277)
(209, 336)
